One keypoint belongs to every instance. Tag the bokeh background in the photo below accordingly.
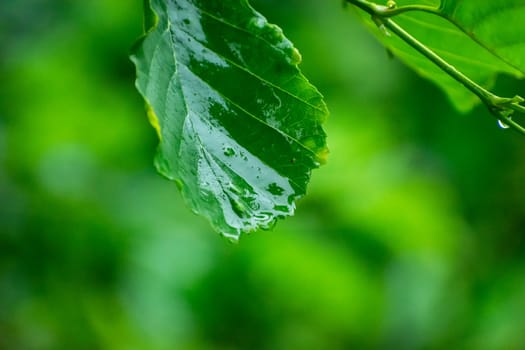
(411, 237)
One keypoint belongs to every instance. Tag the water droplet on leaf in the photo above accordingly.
(238, 208)
(234, 189)
(275, 189)
(229, 152)
(258, 22)
(281, 208)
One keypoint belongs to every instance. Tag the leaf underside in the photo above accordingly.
(480, 38)
(239, 125)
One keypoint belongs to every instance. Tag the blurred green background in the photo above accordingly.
(411, 237)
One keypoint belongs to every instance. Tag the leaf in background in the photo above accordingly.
(239, 125)
(497, 24)
(480, 38)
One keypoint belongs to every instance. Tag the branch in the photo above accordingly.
(501, 107)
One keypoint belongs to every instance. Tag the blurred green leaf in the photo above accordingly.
(240, 126)
(496, 25)
(481, 39)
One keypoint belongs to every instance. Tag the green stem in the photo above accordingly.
(391, 12)
(437, 60)
(500, 107)
(517, 107)
(386, 11)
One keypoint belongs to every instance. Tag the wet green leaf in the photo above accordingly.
(480, 38)
(239, 125)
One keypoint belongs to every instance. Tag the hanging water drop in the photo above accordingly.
(502, 125)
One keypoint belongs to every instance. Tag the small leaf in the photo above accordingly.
(239, 125)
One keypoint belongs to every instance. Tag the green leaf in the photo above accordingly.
(498, 25)
(239, 125)
(480, 38)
